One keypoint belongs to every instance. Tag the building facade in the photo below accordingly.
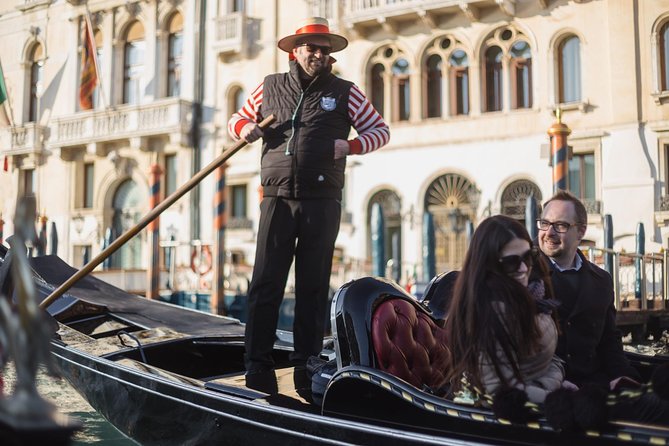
(468, 87)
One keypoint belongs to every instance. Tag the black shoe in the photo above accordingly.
(263, 381)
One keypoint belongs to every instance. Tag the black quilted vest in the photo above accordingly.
(298, 149)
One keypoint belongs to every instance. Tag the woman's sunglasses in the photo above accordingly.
(510, 264)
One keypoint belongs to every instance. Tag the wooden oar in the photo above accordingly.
(155, 212)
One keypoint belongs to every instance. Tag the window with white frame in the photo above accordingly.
(664, 56)
(584, 174)
(36, 75)
(569, 69)
(493, 79)
(174, 55)
(170, 174)
(133, 63)
(238, 198)
(520, 70)
(459, 82)
(456, 71)
(377, 92)
(88, 183)
(236, 99)
(390, 83)
(506, 61)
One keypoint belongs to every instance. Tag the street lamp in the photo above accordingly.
(457, 220)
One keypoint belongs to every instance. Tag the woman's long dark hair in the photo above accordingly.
(474, 325)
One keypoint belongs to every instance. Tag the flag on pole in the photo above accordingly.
(5, 118)
(89, 75)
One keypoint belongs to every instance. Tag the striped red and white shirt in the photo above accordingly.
(373, 132)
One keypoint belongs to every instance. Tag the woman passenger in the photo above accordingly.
(500, 323)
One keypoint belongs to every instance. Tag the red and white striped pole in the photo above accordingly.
(558, 133)
(154, 234)
(220, 222)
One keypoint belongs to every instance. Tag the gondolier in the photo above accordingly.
(302, 174)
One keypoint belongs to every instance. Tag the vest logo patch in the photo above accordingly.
(328, 104)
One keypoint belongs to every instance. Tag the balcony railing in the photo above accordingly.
(664, 203)
(231, 32)
(357, 12)
(166, 116)
(240, 223)
(25, 139)
(592, 206)
(29, 4)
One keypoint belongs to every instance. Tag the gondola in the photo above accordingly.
(163, 374)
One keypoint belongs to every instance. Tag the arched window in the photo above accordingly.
(174, 55)
(569, 70)
(133, 63)
(378, 89)
(507, 62)
(389, 75)
(515, 196)
(433, 67)
(521, 75)
(664, 57)
(493, 79)
(236, 99)
(36, 87)
(459, 82)
(401, 89)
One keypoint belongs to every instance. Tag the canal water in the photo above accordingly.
(96, 430)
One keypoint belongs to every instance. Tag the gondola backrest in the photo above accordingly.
(438, 293)
(377, 324)
(409, 344)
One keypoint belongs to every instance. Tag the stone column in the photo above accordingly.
(558, 133)
(220, 222)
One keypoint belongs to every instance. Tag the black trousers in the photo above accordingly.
(305, 230)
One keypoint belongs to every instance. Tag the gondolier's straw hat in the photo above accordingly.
(314, 26)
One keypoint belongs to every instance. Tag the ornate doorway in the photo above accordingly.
(127, 206)
(452, 199)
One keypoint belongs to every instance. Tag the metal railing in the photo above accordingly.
(640, 281)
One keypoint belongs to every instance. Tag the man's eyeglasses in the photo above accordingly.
(559, 226)
(510, 264)
(325, 50)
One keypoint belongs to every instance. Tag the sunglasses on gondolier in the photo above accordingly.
(312, 48)
(510, 264)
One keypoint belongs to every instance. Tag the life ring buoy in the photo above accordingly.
(201, 264)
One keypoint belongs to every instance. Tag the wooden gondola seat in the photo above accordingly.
(409, 344)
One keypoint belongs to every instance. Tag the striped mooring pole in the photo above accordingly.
(220, 222)
(558, 133)
(154, 234)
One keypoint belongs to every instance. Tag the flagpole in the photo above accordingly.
(9, 103)
(89, 27)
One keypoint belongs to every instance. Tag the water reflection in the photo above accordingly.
(96, 430)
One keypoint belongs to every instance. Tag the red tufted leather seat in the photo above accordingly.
(409, 344)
